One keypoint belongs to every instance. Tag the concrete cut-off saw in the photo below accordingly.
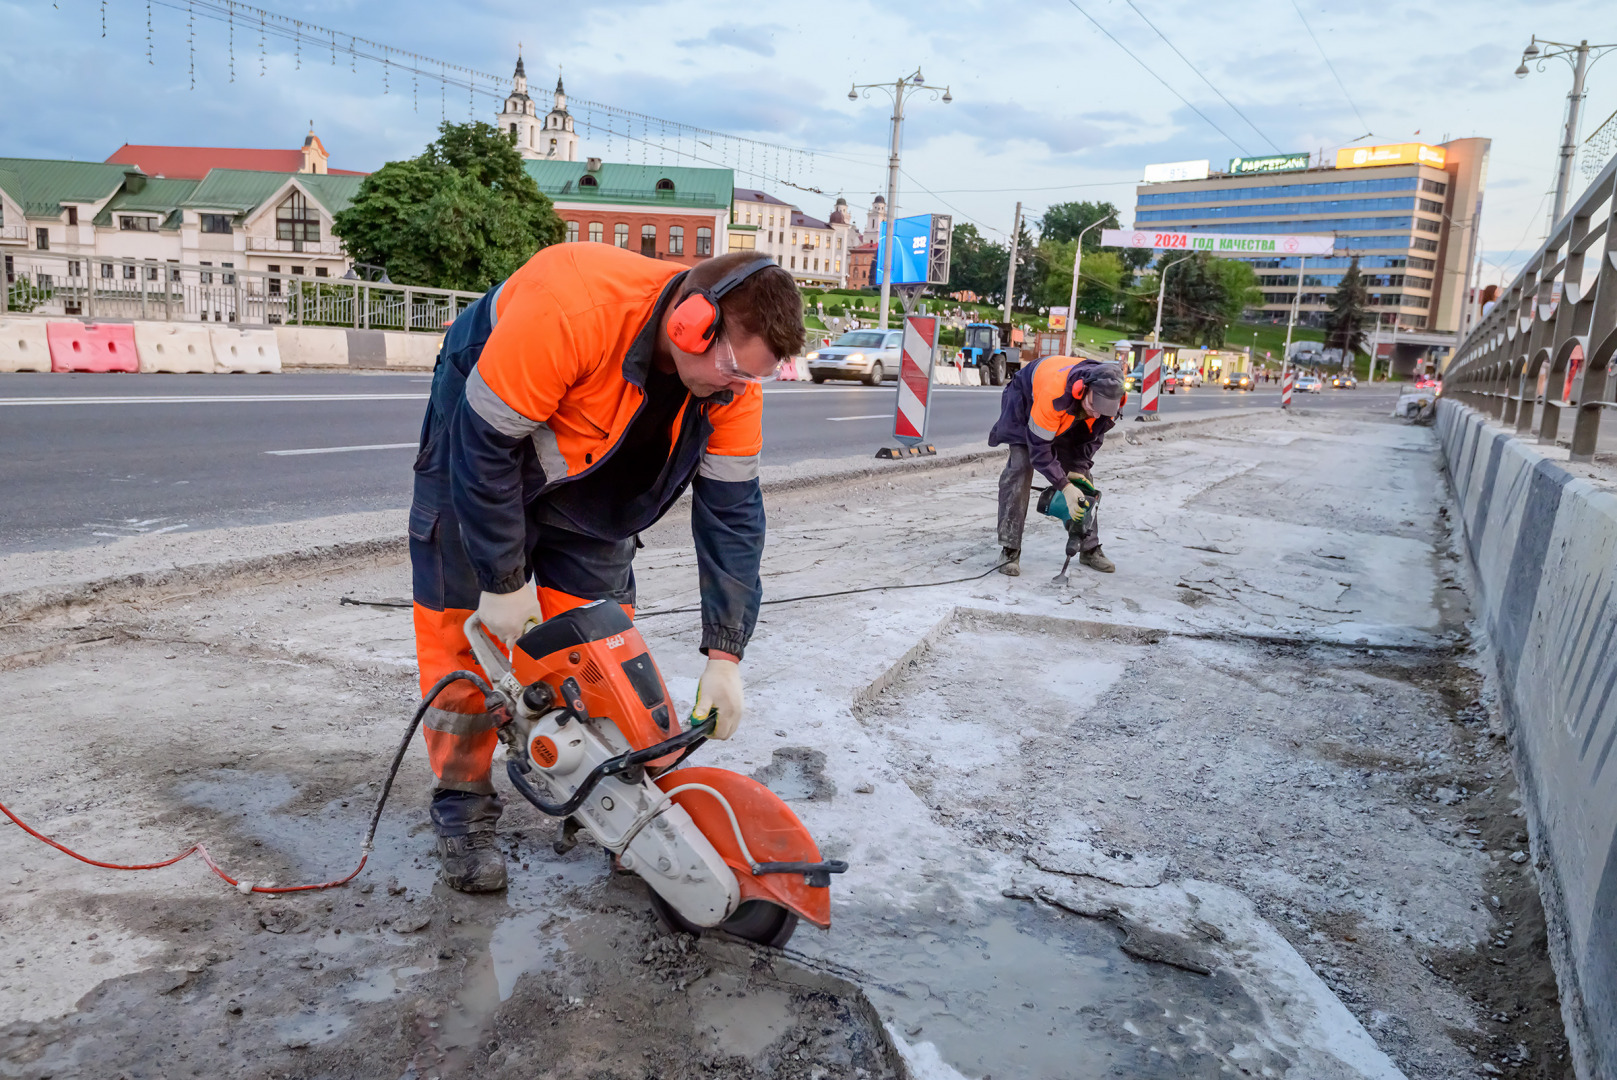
(591, 737)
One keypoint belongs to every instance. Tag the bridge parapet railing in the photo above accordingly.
(1544, 353)
(64, 285)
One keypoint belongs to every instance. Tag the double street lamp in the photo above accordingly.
(1578, 57)
(1072, 300)
(900, 89)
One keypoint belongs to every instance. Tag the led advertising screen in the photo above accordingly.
(922, 254)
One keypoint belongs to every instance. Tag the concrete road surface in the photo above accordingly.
(88, 458)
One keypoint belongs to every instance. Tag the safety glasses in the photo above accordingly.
(724, 358)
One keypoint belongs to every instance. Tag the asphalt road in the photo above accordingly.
(85, 459)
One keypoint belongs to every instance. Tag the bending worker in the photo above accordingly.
(571, 407)
(1053, 416)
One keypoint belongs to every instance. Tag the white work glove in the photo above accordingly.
(1070, 503)
(719, 688)
(507, 616)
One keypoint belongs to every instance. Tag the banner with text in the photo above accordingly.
(1218, 243)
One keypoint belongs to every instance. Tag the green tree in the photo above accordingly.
(1204, 296)
(1349, 311)
(1100, 282)
(975, 264)
(462, 215)
(1064, 221)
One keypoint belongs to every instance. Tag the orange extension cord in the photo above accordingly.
(200, 849)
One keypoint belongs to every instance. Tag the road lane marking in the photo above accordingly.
(344, 449)
(870, 416)
(210, 399)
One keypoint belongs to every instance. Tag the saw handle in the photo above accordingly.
(517, 769)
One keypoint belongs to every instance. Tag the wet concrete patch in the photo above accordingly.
(797, 773)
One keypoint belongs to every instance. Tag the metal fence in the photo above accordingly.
(75, 286)
(1546, 347)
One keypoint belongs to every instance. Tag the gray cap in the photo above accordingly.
(1105, 391)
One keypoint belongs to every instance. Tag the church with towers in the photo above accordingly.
(543, 138)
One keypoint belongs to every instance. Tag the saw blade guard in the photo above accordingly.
(774, 837)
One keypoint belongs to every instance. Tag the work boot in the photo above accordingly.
(1011, 558)
(1096, 561)
(470, 861)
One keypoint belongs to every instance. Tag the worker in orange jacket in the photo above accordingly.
(1054, 416)
(571, 406)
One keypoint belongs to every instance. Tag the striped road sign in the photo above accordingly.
(915, 377)
(1151, 386)
(1288, 380)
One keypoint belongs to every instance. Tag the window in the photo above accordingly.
(132, 223)
(794, 262)
(151, 273)
(173, 271)
(1420, 243)
(72, 215)
(704, 242)
(648, 241)
(228, 279)
(572, 232)
(129, 271)
(42, 239)
(676, 239)
(620, 235)
(552, 147)
(106, 270)
(274, 283)
(73, 268)
(319, 271)
(596, 229)
(1418, 263)
(665, 187)
(1430, 206)
(1427, 226)
(215, 223)
(839, 266)
(298, 270)
(513, 129)
(743, 242)
(587, 181)
(204, 277)
(1435, 187)
(296, 220)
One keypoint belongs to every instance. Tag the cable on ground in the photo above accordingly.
(247, 887)
(840, 592)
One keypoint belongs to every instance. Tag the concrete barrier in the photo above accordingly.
(24, 345)
(77, 346)
(971, 377)
(411, 352)
(179, 348)
(1545, 547)
(245, 352)
(948, 375)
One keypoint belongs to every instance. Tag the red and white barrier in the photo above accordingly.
(77, 346)
(794, 369)
(1288, 380)
(23, 345)
(1151, 384)
(915, 376)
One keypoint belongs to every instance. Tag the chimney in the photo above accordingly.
(593, 165)
(134, 181)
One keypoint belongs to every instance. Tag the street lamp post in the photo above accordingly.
(1162, 288)
(1577, 56)
(899, 89)
(1072, 300)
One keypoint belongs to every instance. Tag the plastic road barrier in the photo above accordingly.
(971, 377)
(1151, 384)
(948, 375)
(180, 348)
(1288, 381)
(245, 352)
(77, 346)
(24, 346)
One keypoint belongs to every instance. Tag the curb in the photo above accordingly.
(22, 604)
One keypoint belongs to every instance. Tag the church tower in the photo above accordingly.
(518, 120)
(557, 139)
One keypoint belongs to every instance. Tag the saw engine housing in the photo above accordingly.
(593, 737)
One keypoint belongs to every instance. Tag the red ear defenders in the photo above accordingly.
(697, 319)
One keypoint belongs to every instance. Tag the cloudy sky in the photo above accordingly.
(1047, 107)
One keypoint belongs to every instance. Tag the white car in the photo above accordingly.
(1189, 377)
(1310, 384)
(866, 355)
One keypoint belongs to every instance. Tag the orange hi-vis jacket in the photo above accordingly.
(1039, 409)
(538, 385)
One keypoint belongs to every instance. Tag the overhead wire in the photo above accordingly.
(1202, 75)
(1329, 65)
(1152, 72)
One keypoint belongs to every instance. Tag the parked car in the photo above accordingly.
(1310, 384)
(1238, 380)
(1344, 382)
(867, 355)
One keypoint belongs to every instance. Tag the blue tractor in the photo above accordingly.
(988, 348)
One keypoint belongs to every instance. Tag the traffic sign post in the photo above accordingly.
(1288, 379)
(1151, 384)
(912, 408)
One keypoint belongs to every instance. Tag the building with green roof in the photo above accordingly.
(662, 211)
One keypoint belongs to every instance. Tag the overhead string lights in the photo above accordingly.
(674, 141)
(149, 60)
